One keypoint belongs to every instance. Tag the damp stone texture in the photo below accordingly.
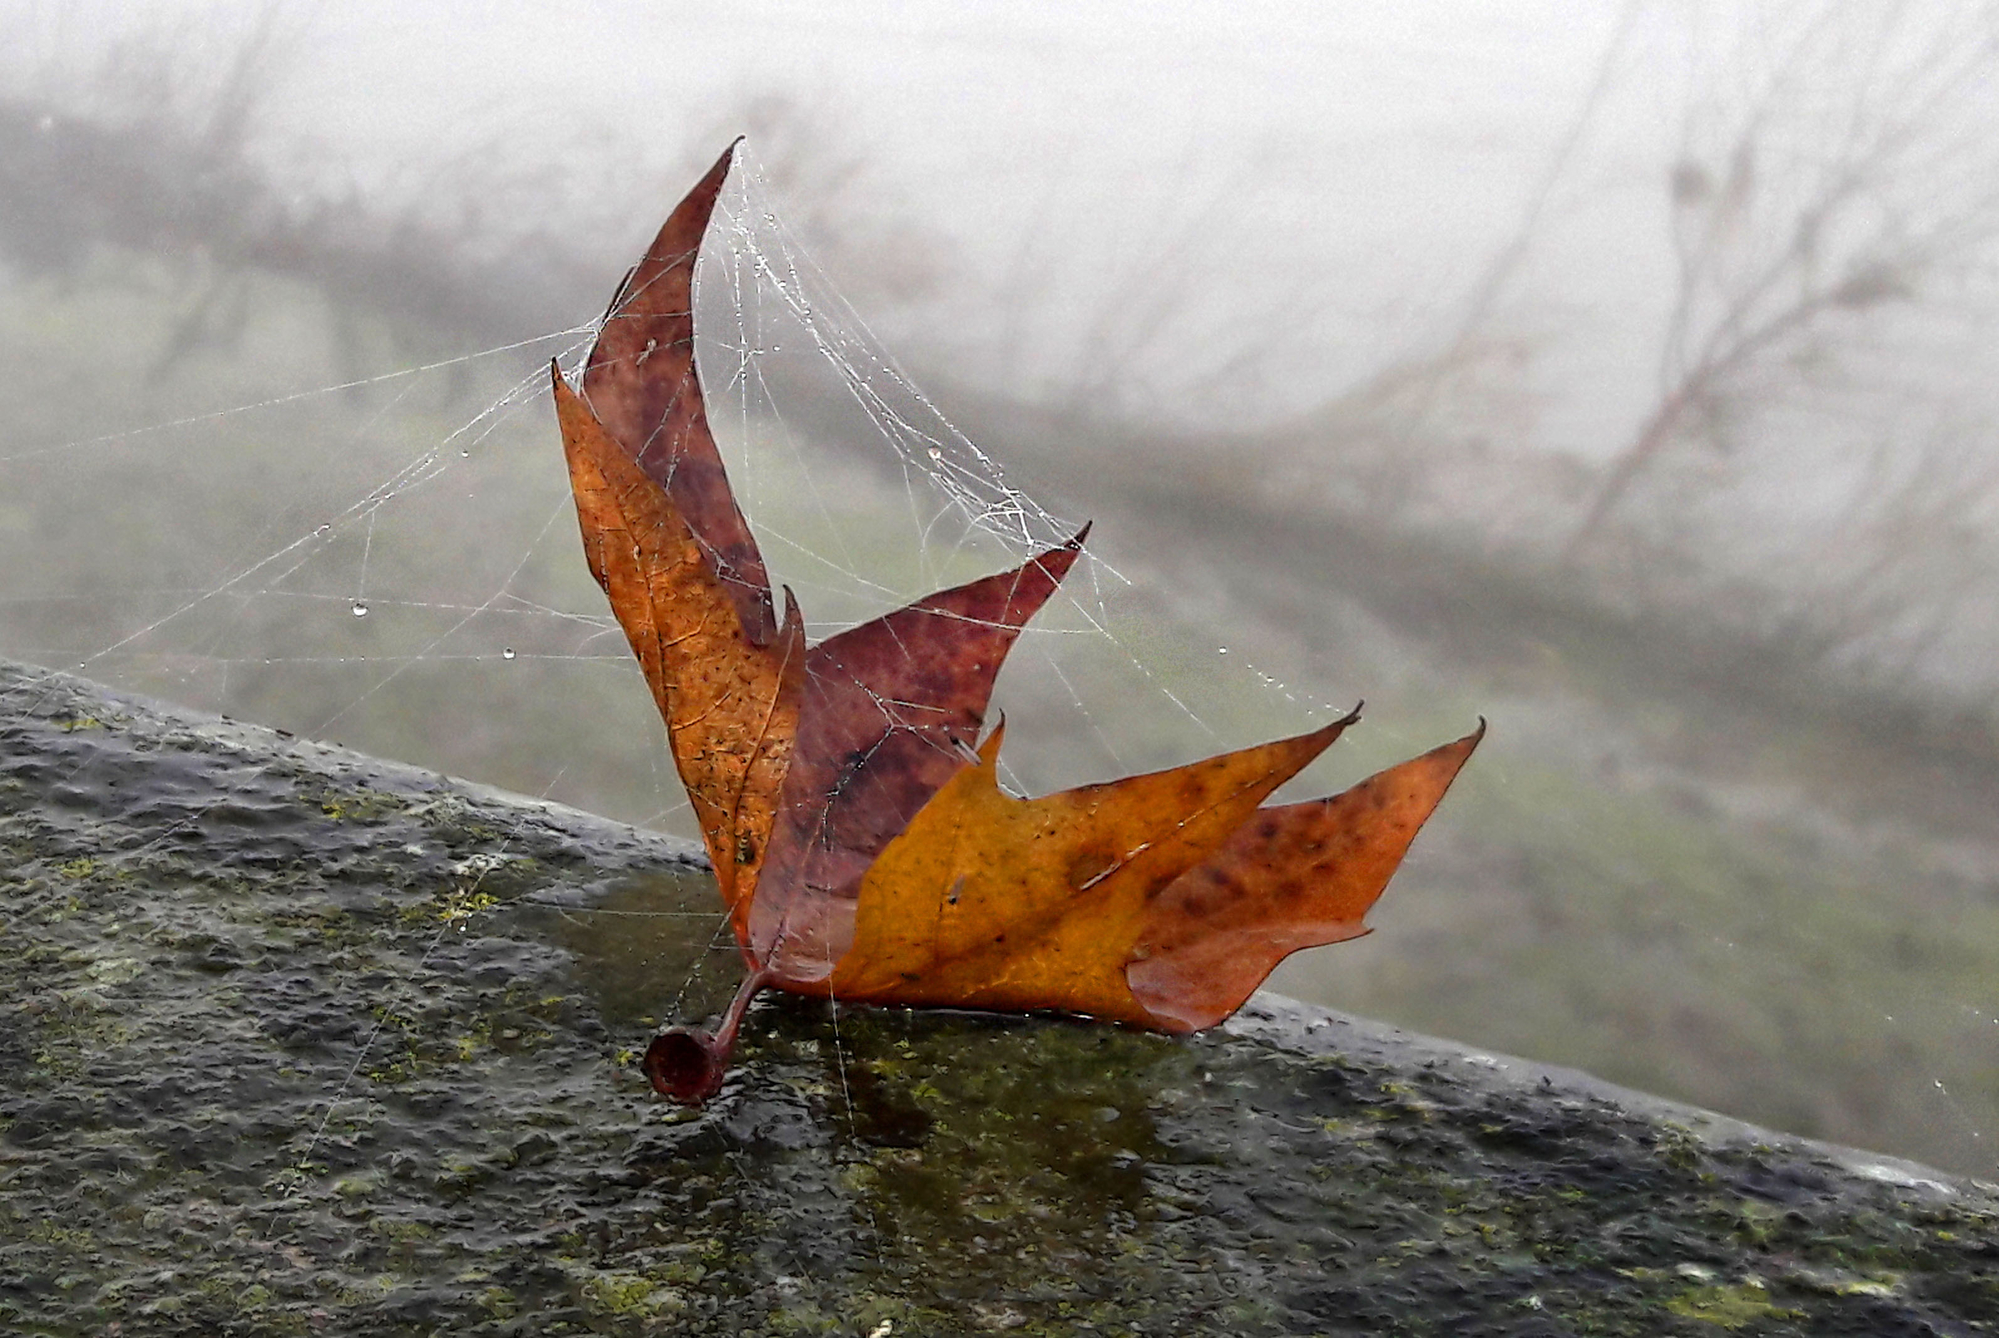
(300, 1042)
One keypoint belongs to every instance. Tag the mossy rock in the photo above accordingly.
(302, 1042)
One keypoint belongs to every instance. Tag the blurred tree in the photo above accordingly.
(1849, 172)
(159, 146)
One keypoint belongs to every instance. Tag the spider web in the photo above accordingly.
(390, 562)
(373, 563)
(866, 497)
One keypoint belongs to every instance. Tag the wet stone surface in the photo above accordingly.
(299, 1042)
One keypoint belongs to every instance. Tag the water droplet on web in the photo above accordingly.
(1225, 650)
(936, 454)
(360, 609)
(507, 654)
(324, 529)
(465, 454)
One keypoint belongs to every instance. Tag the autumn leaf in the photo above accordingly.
(988, 901)
(860, 838)
(889, 708)
(1293, 876)
(639, 382)
(730, 704)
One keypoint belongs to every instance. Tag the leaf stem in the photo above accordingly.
(687, 1064)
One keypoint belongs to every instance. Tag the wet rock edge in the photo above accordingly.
(277, 1068)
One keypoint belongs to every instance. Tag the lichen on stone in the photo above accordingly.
(315, 1044)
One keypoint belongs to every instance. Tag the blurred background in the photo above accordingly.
(1622, 372)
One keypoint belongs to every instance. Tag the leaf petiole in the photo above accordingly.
(687, 1064)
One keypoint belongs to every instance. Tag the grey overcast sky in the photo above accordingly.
(1368, 159)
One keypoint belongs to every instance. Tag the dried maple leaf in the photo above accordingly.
(861, 843)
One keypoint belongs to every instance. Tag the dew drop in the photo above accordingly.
(360, 609)
(507, 654)
(936, 454)
(465, 454)
(1225, 650)
(324, 529)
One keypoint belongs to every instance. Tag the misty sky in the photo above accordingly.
(1308, 192)
(1332, 178)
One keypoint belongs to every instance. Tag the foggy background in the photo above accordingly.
(1623, 373)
